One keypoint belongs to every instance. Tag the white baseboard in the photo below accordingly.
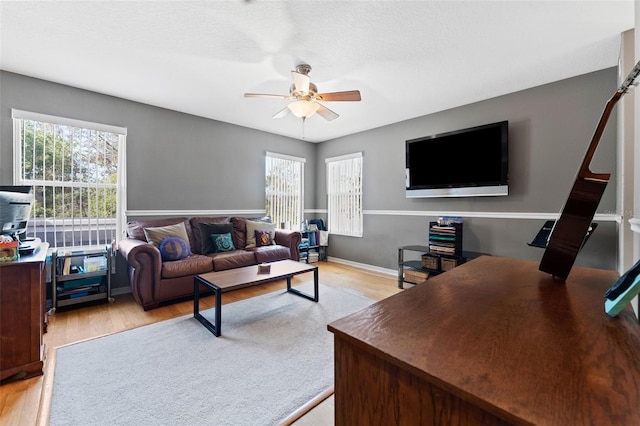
(364, 266)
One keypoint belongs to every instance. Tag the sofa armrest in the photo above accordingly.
(145, 265)
(290, 239)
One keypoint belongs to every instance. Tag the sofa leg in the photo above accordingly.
(151, 306)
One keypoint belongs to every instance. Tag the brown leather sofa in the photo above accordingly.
(154, 281)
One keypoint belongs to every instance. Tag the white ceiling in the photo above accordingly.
(407, 58)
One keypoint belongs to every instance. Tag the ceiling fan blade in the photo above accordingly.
(326, 113)
(301, 82)
(349, 95)
(283, 112)
(266, 95)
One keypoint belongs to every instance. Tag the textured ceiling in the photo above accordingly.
(407, 58)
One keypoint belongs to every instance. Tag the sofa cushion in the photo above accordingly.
(197, 233)
(155, 235)
(232, 259)
(271, 253)
(208, 229)
(222, 242)
(192, 265)
(252, 227)
(174, 248)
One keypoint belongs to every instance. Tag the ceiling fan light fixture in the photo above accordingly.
(304, 95)
(303, 109)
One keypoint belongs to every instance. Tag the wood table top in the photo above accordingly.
(502, 334)
(241, 277)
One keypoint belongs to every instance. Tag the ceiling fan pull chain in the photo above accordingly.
(304, 119)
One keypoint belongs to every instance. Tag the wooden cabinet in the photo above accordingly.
(22, 315)
(494, 341)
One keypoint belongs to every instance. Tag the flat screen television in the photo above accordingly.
(15, 209)
(470, 162)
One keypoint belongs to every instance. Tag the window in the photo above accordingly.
(344, 191)
(284, 183)
(77, 171)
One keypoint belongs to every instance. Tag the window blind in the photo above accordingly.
(344, 194)
(77, 171)
(284, 183)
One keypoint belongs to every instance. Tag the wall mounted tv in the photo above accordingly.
(469, 162)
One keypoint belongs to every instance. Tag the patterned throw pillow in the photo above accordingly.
(263, 238)
(259, 226)
(174, 248)
(206, 229)
(222, 242)
(155, 235)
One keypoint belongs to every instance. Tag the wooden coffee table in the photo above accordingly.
(234, 279)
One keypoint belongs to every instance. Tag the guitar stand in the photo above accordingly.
(542, 237)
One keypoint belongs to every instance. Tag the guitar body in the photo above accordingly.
(570, 231)
(572, 227)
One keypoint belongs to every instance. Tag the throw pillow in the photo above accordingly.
(263, 238)
(208, 229)
(252, 227)
(222, 242)
(156, 235)
(174, 248)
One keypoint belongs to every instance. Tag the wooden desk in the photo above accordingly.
(22, 315)
(493, 341)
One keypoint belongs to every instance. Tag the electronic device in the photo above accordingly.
(463, 163)
(15, 209)
(623, 291)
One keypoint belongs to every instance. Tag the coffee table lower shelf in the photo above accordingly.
(234, 279)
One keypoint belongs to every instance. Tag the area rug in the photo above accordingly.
(275, 355)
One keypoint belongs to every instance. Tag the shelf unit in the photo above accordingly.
(313, 247)
(80, 276)
(430, 264)
(445, 239)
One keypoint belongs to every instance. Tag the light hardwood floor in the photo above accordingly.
(26, 402)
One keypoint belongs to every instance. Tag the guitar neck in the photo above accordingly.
(585, 171)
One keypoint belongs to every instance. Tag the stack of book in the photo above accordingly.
(445, 238)
(442, 239)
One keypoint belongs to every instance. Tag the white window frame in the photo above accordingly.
(284, 211)
(344, 194)
(18, 178)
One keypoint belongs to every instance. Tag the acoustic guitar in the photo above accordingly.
(570, 230)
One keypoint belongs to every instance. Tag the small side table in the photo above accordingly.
(416, 265)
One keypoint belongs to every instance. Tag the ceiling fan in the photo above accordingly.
(305, 96)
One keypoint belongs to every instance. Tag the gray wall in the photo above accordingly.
(175, 161)
(178, 161)
(550, 128)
